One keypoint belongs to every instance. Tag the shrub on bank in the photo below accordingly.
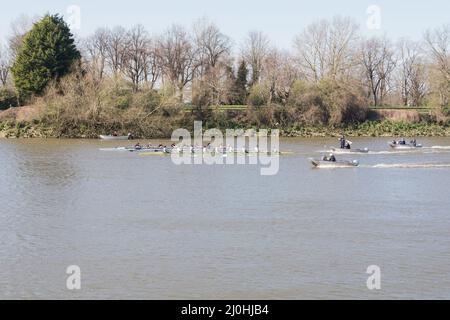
(8, 98)
(328, 102)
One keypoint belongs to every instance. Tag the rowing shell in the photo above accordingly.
(212, 153)
(343, 151)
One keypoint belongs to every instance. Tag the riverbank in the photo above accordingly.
(385, 128)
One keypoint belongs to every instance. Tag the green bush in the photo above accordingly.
(8, 99)
(258, 96)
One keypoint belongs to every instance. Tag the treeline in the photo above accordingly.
(330, 75)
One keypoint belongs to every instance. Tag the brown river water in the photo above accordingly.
(141, 227)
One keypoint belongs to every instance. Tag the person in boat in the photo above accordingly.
(414, 142)
(342, 141)
(138, 146)
(402, 141)
(330, 158)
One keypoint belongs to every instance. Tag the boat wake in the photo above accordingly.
(426, 150)
(411, 165)
(113, 149)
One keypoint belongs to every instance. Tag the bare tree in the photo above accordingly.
(152, 70)
(279, 73)
(213, 51)
(212, 45)
(325, 48)
(136, 55)
(5, 65)
(377, 60)
(438, 42)
(178, 57)
(19, 27)
(115, 49)
(95, 48)
(255, 50)
(411, 72)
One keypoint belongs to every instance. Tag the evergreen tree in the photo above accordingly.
(240, 85)
(48, 52)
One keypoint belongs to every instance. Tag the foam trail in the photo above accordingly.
(411, 165)
(441, 147)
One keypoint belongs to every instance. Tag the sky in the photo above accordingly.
(281, 20)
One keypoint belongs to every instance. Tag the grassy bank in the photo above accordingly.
(159, 129)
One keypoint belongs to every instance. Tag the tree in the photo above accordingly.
(279, 74)
(438, 42)
(152, 70)
(95, 47)
(136, 55)
(325, 48)
(20, 27)
(47, 53)
(213, 51)
(240, 85)
(115, 49)
(212, 46)
(377, 60)
(255, 50)
(412, 81)
(5, 65)
(178, 57)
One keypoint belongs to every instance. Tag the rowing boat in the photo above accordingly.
(404, 146)
(212, 153)
(334, 164)
(343, 151)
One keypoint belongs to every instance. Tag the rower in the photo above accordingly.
(330, 158)
(342, 141)
(138, 146)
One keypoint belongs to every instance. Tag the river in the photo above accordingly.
(141, 227)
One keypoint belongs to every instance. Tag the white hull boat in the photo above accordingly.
(334, 164)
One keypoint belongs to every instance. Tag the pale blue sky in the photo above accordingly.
(280, 19)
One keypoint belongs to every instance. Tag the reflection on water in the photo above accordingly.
(142, 227)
